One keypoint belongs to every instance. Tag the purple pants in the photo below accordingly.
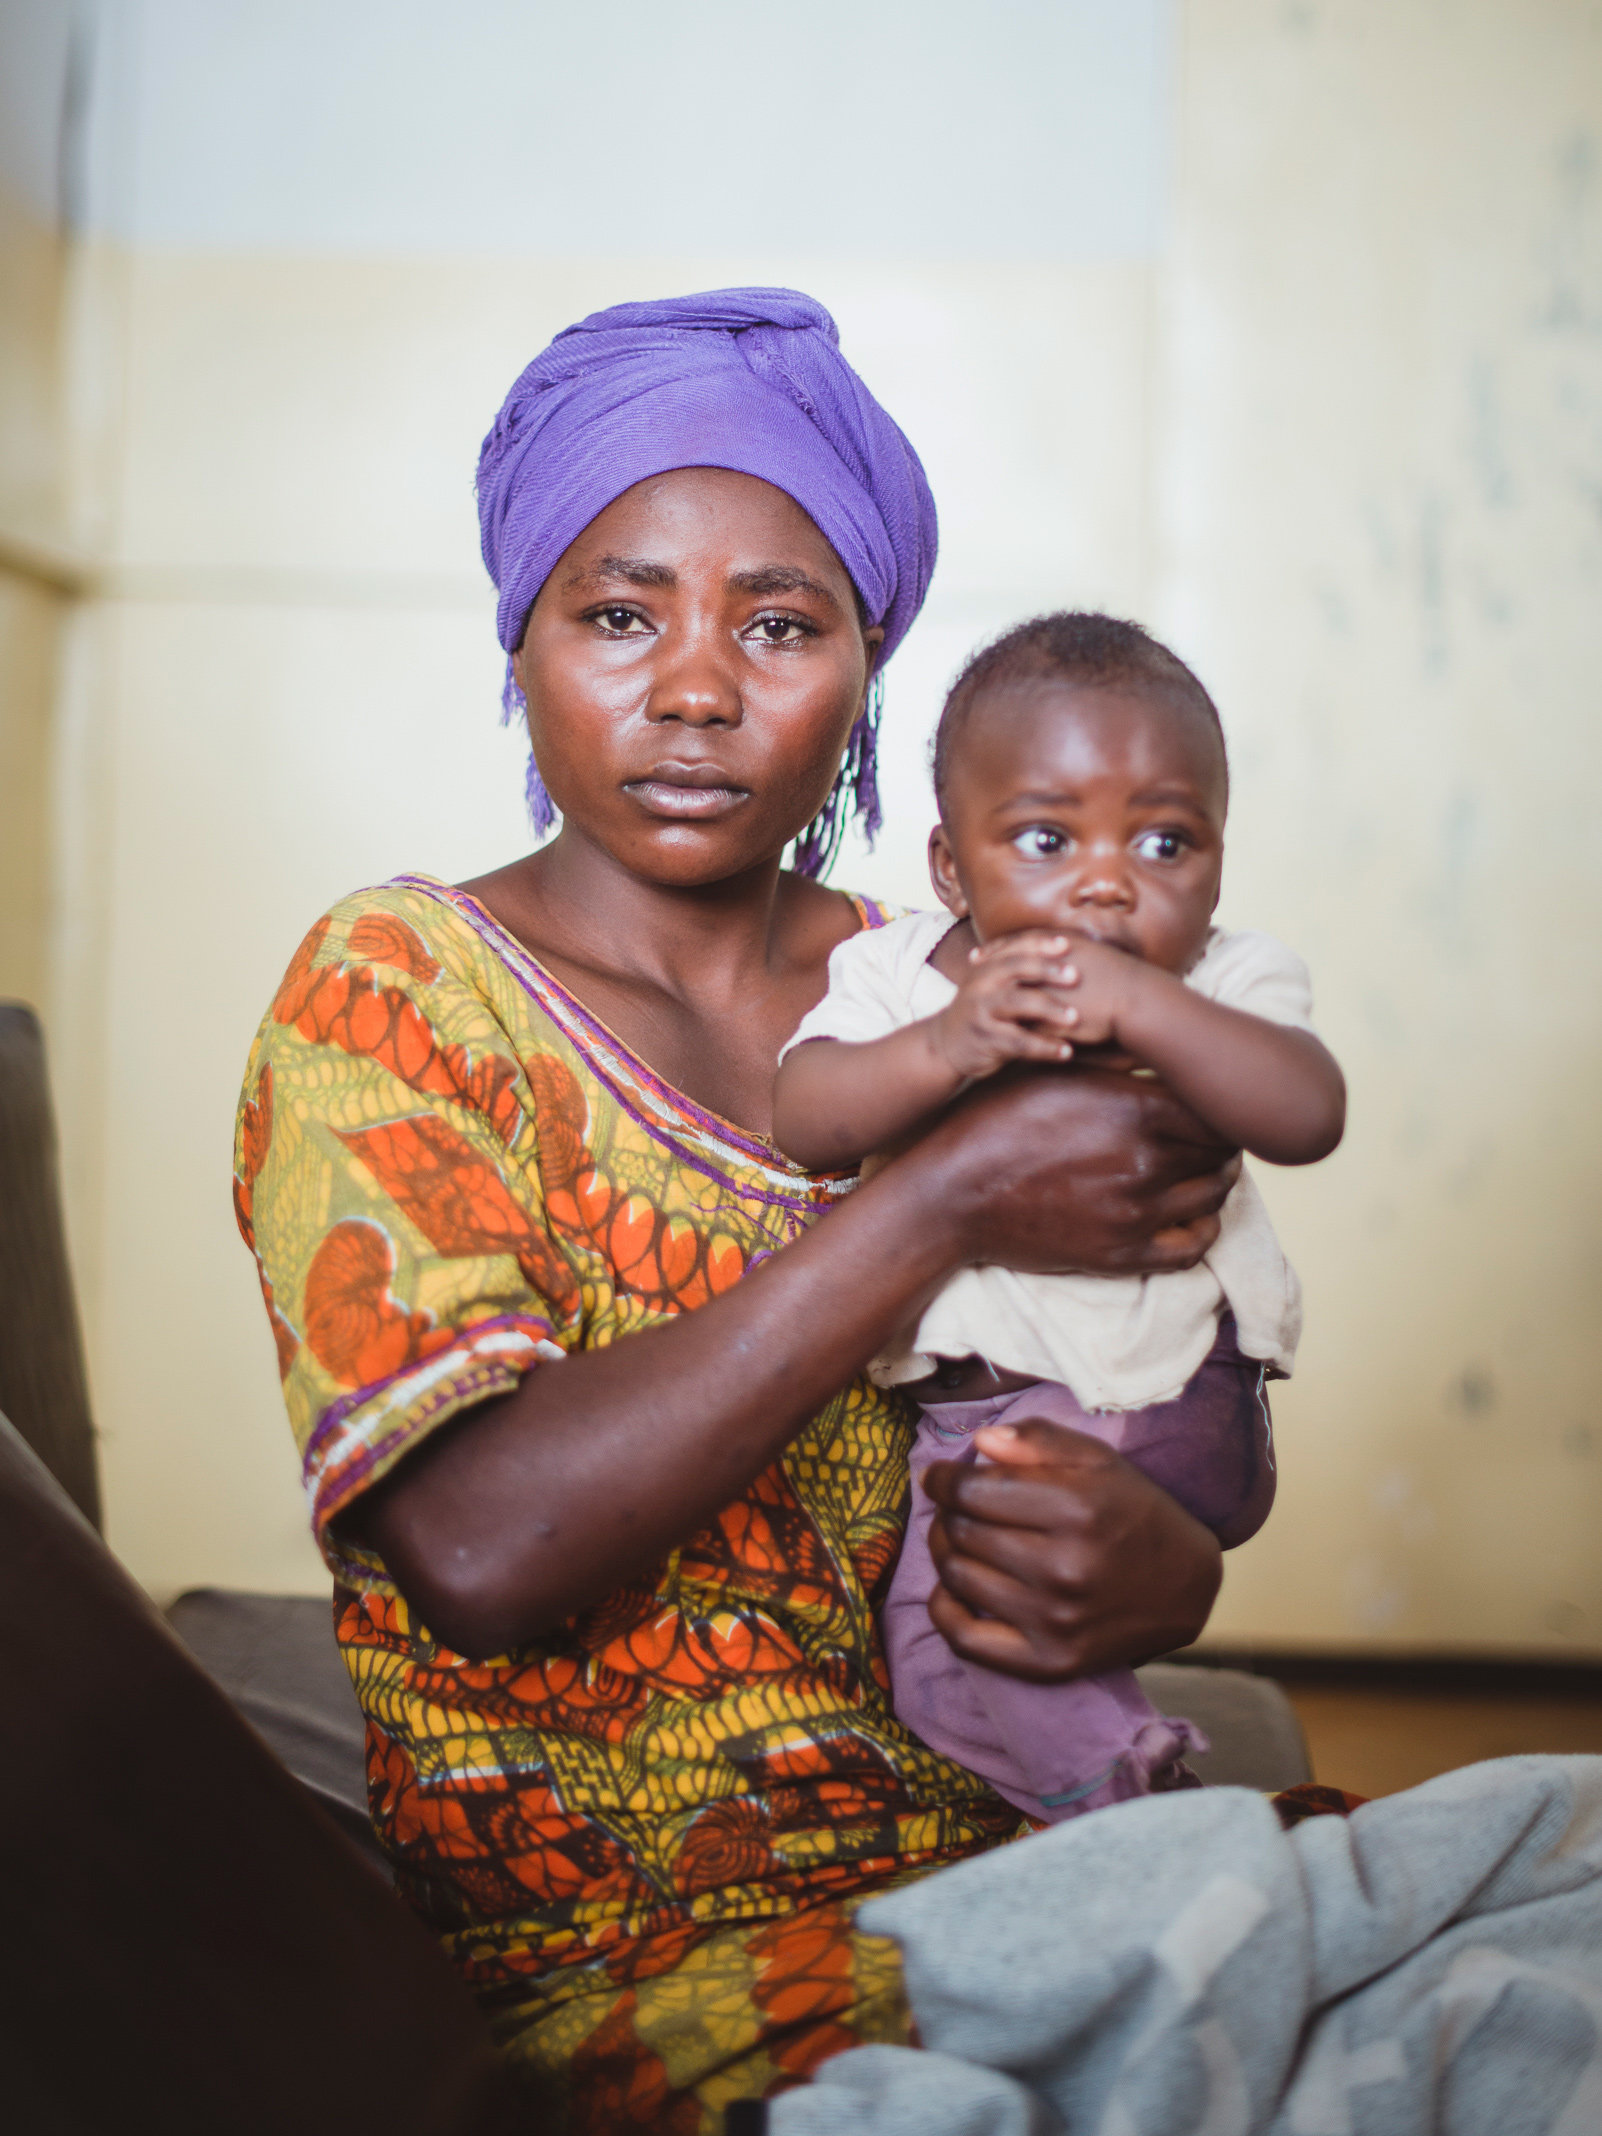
(1058, 1749)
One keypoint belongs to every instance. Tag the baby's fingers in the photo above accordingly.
(1023, 1002)
(1034, 949)
(1016, 1042)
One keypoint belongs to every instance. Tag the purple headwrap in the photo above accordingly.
(746, 379)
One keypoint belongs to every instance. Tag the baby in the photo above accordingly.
(1082, 785)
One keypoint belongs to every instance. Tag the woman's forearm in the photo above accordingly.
(595, 1468)
(526, 1509)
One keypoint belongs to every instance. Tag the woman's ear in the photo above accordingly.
(872, 638)
(943, 874)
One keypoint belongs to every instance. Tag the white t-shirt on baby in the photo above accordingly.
(1120, 1342)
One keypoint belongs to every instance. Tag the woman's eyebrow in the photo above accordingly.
(632, 570)
(779, 578)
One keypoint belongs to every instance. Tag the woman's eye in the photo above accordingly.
(1160, 845)
(1040, 843)
(619, 622)
(779, 630)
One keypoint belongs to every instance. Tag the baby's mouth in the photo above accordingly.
(1106, 937)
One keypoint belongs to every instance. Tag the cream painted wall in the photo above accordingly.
(32, 524)
(1379, 535)
(30, 630)
(1331, 420)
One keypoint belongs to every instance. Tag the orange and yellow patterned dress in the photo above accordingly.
(643, 1836)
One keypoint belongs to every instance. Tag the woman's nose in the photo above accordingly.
(694, 686)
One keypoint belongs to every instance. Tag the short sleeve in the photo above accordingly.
(1258, 973)
(870, 982)
(387, 1179)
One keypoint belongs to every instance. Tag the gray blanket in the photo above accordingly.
(1181, 1967)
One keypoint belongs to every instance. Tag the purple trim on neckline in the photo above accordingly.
(566, 1010)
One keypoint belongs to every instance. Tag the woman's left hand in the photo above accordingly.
(1058, 1559)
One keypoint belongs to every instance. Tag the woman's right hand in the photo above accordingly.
(531, 1506)
(1094, 1170)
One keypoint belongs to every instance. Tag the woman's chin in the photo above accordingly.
(685, 856)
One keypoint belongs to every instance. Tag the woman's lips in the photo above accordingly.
(687, 800)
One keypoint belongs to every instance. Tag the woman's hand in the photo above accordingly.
(1093, 1170)
(532, 1506)
(1058, 1559)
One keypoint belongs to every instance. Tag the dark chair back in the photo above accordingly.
(186, 1942)
(43, 1389)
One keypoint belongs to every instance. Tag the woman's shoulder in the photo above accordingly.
(413, 925)
(400, 968)
(391, 917)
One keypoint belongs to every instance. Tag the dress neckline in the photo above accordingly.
(641, 1082)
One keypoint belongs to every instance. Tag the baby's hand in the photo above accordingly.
(1096, 981)
(1012, 1004)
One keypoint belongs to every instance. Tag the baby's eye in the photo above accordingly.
(1160, 845)
(1040, 842)
(780, 630)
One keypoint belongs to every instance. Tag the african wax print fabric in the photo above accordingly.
(450, 1174)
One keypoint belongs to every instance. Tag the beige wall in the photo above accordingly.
(30, 633)
(1379, 476)
(1339, 437)
(32, 525)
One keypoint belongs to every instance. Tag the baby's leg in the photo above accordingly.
(1212, 1447)
(1053, 1749)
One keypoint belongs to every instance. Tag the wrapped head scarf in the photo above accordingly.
(746, 379)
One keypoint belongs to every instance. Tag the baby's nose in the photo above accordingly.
(1103, 886)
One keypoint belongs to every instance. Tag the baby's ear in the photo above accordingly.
(943, 874)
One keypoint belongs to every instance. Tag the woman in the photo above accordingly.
(575, 1369)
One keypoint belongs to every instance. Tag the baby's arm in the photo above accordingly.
(1271, 1088)
(834, 1102)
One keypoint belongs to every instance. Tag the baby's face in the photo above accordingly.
(1091, 812)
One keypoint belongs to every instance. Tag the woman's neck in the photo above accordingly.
(705, 982)
(574, 902)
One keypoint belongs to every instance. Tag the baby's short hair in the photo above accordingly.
(1074, 645)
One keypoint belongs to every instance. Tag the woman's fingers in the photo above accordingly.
(989, 1641)
(1180, 1246)
(1202, 1195)
(1087, 1561)
(1081, 1171)
(992, 1592)
(1013, 1497)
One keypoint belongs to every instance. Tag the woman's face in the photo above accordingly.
(693, 668)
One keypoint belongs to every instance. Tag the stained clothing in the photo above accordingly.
(1057, 1750)
(641, 1836)
(1120, 1342)
(1169, 1370)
